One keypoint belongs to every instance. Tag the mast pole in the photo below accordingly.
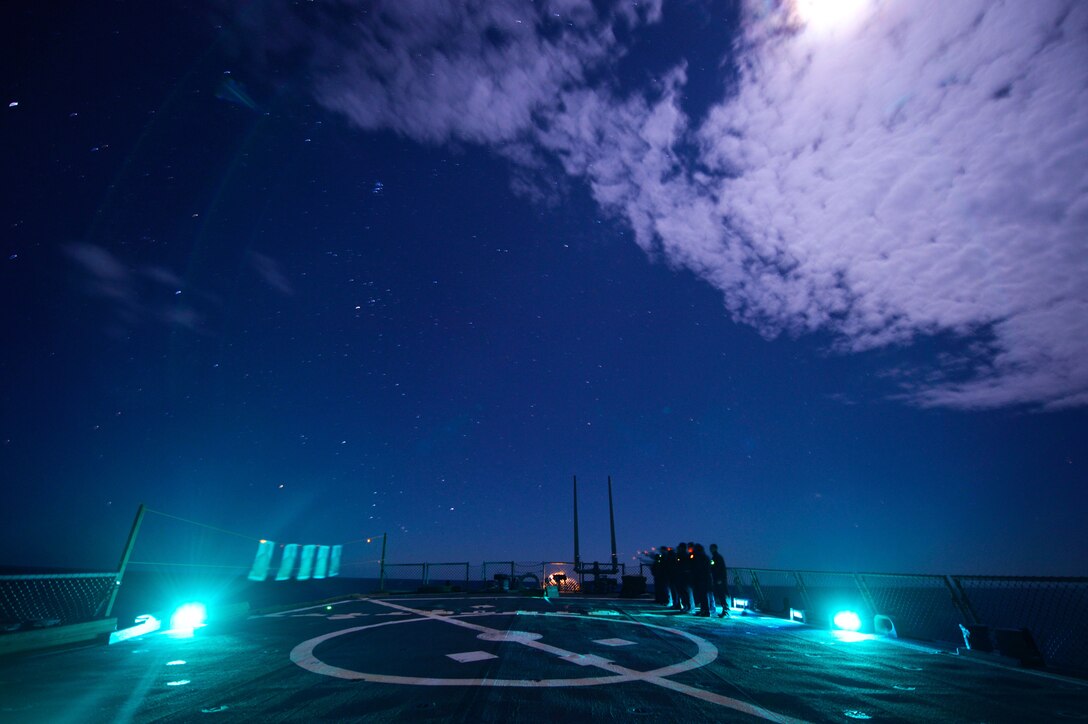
(612, 527)
(381, 572)
(577, 557)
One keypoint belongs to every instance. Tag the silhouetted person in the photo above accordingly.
(659, 570)
(700, 578)
(684, 554)
(719, 577)
(679, 580)
(668, 569)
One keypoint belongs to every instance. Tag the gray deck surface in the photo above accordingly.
(508, 659)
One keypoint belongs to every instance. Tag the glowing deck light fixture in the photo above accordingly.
(287, 562)
(306, 564)
(263, 560)
(145, 624)
(335, 555)
(846, 621)
(321, 562)
(188, 616)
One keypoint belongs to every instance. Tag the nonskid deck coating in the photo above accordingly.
(504, 659)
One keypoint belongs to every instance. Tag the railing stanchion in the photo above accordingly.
(125, 556)
(381, 573)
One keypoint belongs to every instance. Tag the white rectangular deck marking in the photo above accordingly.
(470, 656)
(614, 642)
(586, 660)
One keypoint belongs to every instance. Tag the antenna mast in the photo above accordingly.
(612, 526)
(577, 558)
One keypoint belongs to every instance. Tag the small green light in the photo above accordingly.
(328, 608)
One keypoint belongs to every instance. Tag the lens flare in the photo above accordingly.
(188, 616)
(847, 621)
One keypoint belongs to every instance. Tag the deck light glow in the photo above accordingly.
(188, 616)
(847, 621)
(145, 624)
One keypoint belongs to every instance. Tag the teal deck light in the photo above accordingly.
(188, 616)
(847, 621)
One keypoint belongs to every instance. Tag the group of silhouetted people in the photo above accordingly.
(687, 577)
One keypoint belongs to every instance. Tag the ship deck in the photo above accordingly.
(507, 659)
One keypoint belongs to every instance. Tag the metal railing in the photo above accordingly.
(1054, 610)
(925, 607)
(931, 607)
(32, 601)
(426, 574)
(489, 574)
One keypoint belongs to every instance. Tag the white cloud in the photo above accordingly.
(478, 71)
(925, 172)
(271, 272)
(110, 278)
(913, 168)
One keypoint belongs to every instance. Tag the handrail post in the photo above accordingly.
(803, 590)
(381, 571)
(760, 600)
(125, 556)
(960, 599)
(863, 588)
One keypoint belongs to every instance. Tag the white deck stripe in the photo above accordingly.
(303, 655)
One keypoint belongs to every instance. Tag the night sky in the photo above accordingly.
(809, 282)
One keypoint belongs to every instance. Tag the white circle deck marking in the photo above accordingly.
(303, 656)
(509, 636)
